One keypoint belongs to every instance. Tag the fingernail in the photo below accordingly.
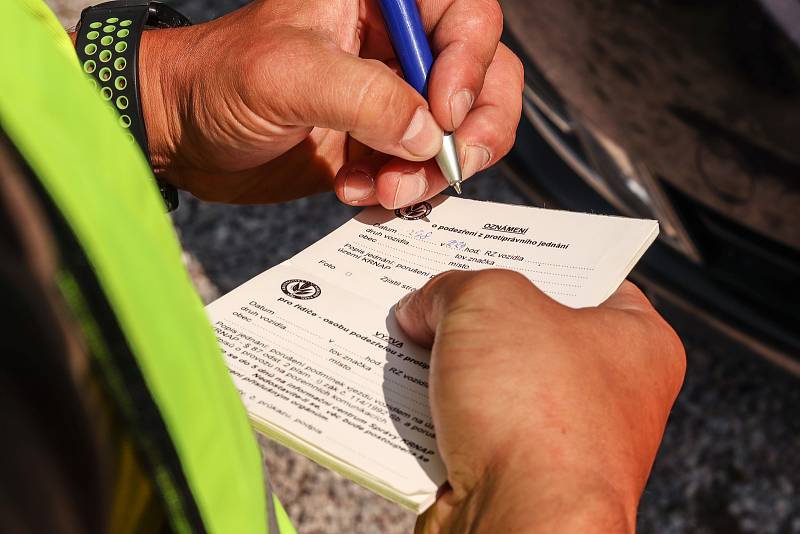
(357, 186)
(410, 188)
(423, 137)
(476, 157)
(460, 104)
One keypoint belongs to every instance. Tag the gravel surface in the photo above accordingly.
(730, 460)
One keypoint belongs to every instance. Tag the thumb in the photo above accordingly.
(420, 312)
(330, 88)
(473, 296)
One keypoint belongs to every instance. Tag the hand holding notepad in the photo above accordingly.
(547, 418)
(321, 363)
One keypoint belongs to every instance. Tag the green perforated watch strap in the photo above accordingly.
(108, 49)
(104, 57)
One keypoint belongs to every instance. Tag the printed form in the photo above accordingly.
(323, 368)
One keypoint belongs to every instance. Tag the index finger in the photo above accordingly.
(464, 39)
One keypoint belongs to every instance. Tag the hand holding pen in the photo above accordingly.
(282, 99)
(470, 61)
(414, 55)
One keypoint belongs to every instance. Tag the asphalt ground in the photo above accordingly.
(730, 459)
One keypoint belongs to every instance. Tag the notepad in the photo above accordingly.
(323, 368)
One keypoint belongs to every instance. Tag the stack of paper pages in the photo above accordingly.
(323, 368)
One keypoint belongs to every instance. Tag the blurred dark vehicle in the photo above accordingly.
(683, 111)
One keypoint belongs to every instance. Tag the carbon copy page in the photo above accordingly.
(320, 363)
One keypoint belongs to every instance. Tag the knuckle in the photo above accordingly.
(666, 345)
(508, 138)
(505, 54)
(494, 15)
(633, 292)
(493, 286)
(443, 285)
(500, 135)
(448, 281)
(486, 16)
(501, 277)
(518, 68)
(676, 352)
(511, 141)
(482, 292)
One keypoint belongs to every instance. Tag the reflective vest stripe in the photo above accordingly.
(101, 185)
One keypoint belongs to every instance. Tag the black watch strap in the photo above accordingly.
(108, 48)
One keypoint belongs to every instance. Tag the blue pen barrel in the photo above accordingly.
(414, 55)
(409, 41)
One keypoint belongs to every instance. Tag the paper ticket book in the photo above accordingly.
(323, 368)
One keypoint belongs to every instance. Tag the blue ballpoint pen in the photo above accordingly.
(414, 55)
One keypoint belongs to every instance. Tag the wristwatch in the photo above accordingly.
(107, 44)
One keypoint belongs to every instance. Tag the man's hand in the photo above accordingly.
(282, 99)
(547, 418)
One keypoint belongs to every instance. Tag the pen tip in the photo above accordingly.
(447, 159)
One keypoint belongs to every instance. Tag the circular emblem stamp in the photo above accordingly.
(420, 210)
(301, 289)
